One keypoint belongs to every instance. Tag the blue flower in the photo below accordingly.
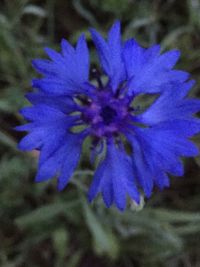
(138, 149)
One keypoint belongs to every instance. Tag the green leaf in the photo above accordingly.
(104, 240)
(60, 241)
(74, 259)
(44, 214)
(173, 216)
(34, 10)
(7, 140)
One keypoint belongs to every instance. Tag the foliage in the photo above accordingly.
(38, 225)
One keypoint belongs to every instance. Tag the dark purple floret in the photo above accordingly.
(105, 114)
(108, 114)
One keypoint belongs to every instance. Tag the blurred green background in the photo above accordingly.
(42, 227)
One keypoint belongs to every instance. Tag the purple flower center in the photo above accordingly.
(106, 114)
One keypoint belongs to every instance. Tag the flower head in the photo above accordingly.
(141, 147)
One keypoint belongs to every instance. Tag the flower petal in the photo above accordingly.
(110, 54)
(48, 126)
(171, 105)
(114, 178)
(148, 71)
(164, 147)
(141, 169)
(156, 151)
(62, 161)
(62, 103)
(64, 74)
